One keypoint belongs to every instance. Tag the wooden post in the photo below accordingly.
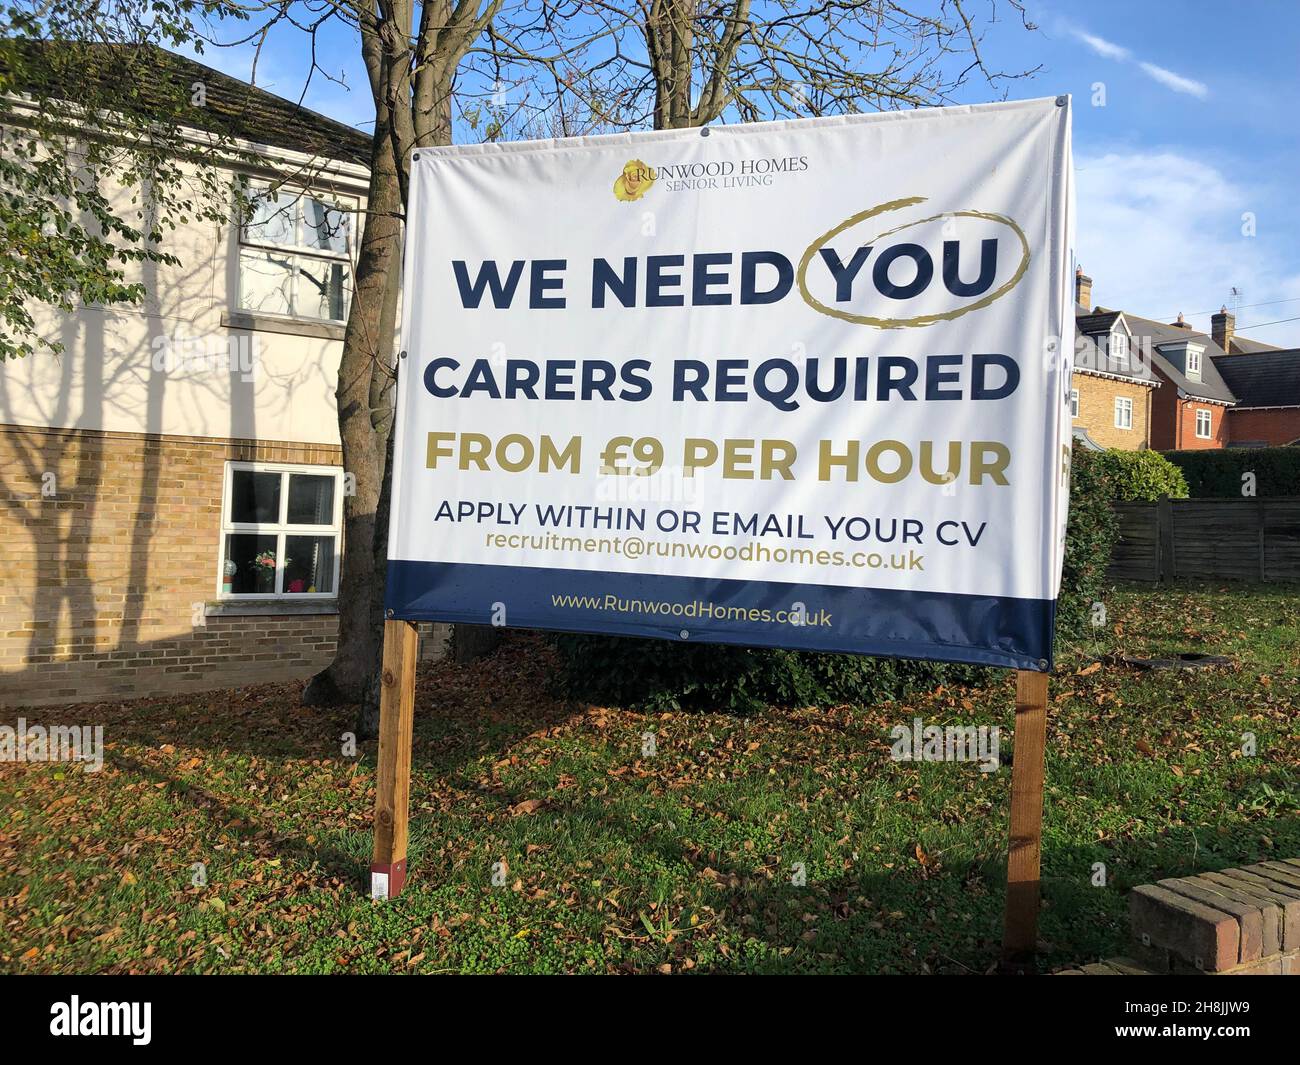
(1263, 539)
(1020, 934)
(1167, 568)
(393, 777)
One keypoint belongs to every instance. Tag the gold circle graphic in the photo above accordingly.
(923, 319)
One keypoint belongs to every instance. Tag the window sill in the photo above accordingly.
(264, 323)
(268, 607)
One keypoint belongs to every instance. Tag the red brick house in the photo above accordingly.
(1267, 386)
(1191, 411)
(1215, 390)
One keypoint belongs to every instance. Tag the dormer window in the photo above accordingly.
(1119, 349)
(1186, 357)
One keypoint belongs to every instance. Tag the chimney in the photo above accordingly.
(1082, 289)
(1182, 322)
(1222, 326)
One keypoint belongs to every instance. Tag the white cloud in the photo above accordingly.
(1160, 232)
(1168, 78)
(1101, 46)
(1176, 82)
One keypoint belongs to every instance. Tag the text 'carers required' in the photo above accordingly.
(785, 383)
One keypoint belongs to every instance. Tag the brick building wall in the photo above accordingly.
(1097, 411)
(1173, 423)
(1277, 428)
(1164, 416)
(1187, 438)
(108, 550)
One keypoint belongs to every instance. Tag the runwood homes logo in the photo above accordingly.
(638, 176)
(634, 182)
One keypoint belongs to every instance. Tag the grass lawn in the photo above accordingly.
(544, 841)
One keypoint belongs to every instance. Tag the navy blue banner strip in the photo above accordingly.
(976, 629)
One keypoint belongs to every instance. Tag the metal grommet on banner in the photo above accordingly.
(704, 132)
(402, 355)
(388, 613)
(684, 634)
(1042, 664)
(416, 155)
(1060, 101)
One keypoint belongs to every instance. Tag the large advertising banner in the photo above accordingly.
(797, 384)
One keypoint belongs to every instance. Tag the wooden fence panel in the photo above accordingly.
(1208, 539)
(1136, 555)
(1217, 539)
(1282, 540)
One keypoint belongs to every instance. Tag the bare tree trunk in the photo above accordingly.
(411, 81)
(364, 396)
(674, 51)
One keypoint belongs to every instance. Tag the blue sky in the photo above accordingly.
(1185, 139)
(1199, 127)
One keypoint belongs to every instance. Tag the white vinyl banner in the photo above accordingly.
(795, 384)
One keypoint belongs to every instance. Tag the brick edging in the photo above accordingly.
(1235, 922)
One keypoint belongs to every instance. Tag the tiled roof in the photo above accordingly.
(1095, 360)
(1265, 379)
(1255, 374)
(1096, 321)
(1246, 346)
(155, 84)
(1211, 385)
(1089, 444)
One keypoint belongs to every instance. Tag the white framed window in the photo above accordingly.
(1074, 403)
(281, 530)
(1204, 423)
(295, 254)
(1123, 412)
(1193, 363)
(1119, 349)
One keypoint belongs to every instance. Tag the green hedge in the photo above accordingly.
(661, 675)
(1216, 473)
(1142, 476)
(1090, 534)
